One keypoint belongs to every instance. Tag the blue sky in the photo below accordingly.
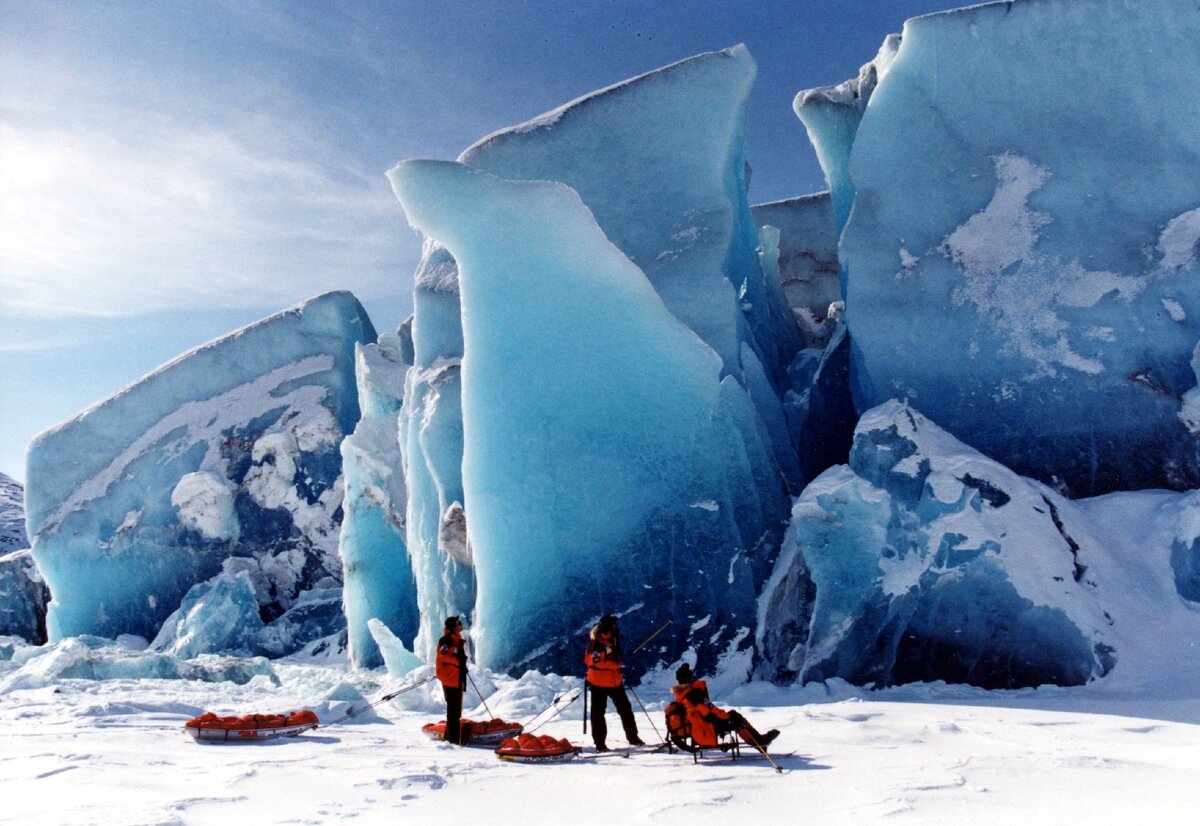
(172, 171)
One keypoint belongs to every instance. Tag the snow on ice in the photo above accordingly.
(230, 452)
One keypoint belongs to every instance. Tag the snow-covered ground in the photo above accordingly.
(114, 752)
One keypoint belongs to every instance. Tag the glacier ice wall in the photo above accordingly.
(1020, 259)
(924, 560)
(229, 452)
(659, 160)
(607, 467)
(377, 573)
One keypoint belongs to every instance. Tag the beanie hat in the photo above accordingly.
(684, 674)
(607, 622)
(451, 623)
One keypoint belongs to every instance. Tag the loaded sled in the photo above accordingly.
(482, 733)
(208, 727)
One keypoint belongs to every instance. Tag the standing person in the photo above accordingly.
(451, 672)
(604, 679)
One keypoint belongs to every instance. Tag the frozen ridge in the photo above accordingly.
(228, 456)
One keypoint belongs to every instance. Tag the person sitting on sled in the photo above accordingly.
(604, 681)
(451, 670)
(707, 721)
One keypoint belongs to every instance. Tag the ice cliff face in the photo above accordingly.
(924, 560)
(658, 163)
(226, 458)
(1020, 247)
(588, 489)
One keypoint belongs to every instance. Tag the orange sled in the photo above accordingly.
(484, 733)
(530, 748)
(250, 728)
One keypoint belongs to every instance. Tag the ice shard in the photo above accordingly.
(607, 466)
(226, 455)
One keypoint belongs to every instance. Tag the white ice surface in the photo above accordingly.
(115, 753)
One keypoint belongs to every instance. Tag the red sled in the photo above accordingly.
(250, 728)
(483, 733)
(529, 748)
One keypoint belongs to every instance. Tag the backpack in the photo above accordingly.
(677, 721)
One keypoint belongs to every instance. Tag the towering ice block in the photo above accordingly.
(228, 454)
(431, 442)
(1021, 258)
(924, 560)
(607, 466)
(378, 577)
(659, 160)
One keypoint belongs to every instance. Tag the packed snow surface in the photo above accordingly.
(114, 752)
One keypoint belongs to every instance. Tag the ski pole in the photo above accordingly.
(754, 743)
(648, 717)
(382, 699)
(646, 641)
(557, 712)
(585, 702)
(485, 705)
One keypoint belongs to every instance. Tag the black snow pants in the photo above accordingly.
(620, 700)
(454, 698)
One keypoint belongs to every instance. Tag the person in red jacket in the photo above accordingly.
(706, 720)
(605, 681)
(451, 670)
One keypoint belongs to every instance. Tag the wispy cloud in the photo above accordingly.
(153, 215)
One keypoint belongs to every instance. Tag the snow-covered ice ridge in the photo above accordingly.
(1020, 244)
(925, 560)
(225, 458)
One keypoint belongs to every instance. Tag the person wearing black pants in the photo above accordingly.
(451, 669)
(605, 681)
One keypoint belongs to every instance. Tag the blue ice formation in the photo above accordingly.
(671, 199)
(659, 160)
(23, 597)
(377, 573)
(925, 560)
(217, 616)
(806, 256)
(431, 443)
(1021, 248)
(397, 659)
(588, 489)
(226, 455)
